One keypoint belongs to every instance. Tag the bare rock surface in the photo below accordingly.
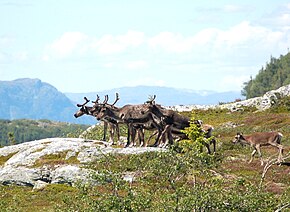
(22, 166)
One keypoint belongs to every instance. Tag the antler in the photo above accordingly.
(106, 99)
(97, 100)
(151, 100)
(117, 99)
(81, 105)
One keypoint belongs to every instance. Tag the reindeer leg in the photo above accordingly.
(157, 138)
(207, 147)
(213, 141)
(118, 133)
(169, 136)
(169, 140)
(260, 154)
(141, 137)
(128, 136)
(105, 130)
(112, 131)
(280, 153)
(252, 155)
(133, 137)
(163, 139)
(152, 135)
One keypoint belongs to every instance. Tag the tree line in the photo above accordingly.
(23, 130)
(275, 74)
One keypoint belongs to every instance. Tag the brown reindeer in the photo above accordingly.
(174, 123)
(207, 129)
(132, 115)
(256, 140)
(113, 125)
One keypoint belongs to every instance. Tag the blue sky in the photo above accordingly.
(92, 45)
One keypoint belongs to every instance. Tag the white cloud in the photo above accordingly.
(210, 41)
(231, 8)
(138, 64)
(279, 18)
(171, 42)
(65, 45)
(242, 39)
(283, 19)
(45, 58)
(108, 65)
(241, 45)
(6, 40)
(230, 83)
(21, 56)
(109, 44)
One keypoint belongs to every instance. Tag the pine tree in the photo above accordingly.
(275, 74)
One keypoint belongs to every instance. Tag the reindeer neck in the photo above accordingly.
(88, 110)
(115, 113)
(244, 139)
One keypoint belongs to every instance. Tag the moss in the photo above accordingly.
(18, 198)
(3, 159)
(56, 159)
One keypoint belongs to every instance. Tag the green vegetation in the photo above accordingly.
(3, 159)
(56, 159)
(23, 130)
(184, 178)
(274, 75)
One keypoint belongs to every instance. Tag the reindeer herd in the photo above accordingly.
(166, 125)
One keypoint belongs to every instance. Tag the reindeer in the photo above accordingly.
(132, 115)
(256, 140)
(174, 123)
(113, 125)
(207, 129)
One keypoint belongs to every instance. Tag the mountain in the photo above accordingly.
(33, 99)
(164, 95)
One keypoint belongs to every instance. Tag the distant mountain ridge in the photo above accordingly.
(164, 95)
(33, 99)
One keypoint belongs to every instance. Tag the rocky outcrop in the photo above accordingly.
(261, 103)
(22, 164)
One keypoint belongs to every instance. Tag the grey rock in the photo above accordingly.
(261, 103)
(22, 168)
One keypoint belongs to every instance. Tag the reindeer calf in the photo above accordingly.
(256, 140)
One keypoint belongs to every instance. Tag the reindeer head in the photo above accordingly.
(102, 112)
(83, 109)
(151, 100)
(238, 138)
(198, 123)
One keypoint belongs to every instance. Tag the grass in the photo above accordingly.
(156, 177)
(56, 159)
(3, 159)
(18, 198)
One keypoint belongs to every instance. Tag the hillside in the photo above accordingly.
(23, 130)
(274, 74)
(72, 174)
(33, 99)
